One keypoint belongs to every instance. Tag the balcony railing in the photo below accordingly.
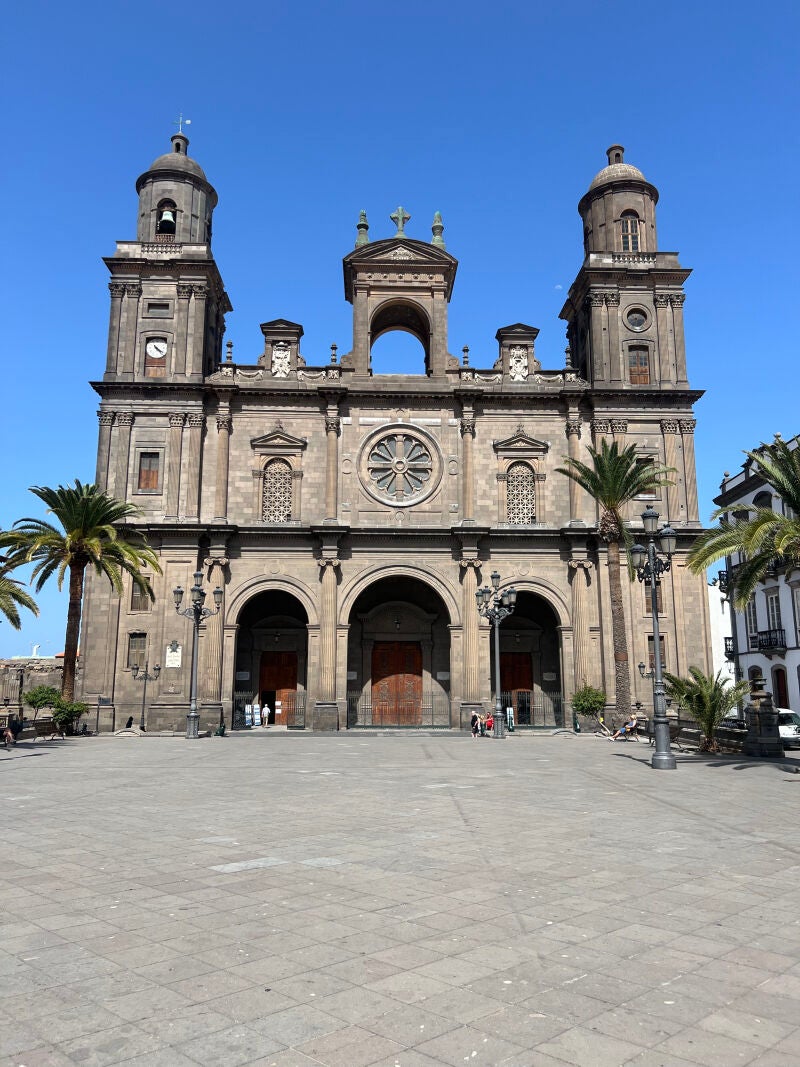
(729, 653)
(771, 641)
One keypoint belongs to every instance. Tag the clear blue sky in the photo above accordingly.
(498, 115)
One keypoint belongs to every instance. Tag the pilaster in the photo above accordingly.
(224, 428)
(690, 471)
(573, 431)
(174, 449)
(123, 452)
(468, 469)
(195, 421)
(106, 420)
(580, 575)
(669, 430)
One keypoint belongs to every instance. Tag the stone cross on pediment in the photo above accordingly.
(400, 218)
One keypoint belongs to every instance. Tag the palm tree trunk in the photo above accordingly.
(621, 673)
(73, 630)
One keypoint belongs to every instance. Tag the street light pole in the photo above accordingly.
(197, 613)
(496, 606)
(144, 676)
(649, 567)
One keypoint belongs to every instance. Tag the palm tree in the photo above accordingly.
(762, 536)
(708, 699)
(93, 531)
(614, 478)
(13, 597)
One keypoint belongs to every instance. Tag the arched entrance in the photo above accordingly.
(271, 657)
(530, 669)
(398, 656)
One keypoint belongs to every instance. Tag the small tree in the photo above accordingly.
(42, 696)
(66, 715)
(589, 702)
(708, 699)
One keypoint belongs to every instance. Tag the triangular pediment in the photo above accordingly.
(278, 442)
(520, 443)
(281, 324)
(400, 250)
(397, 255)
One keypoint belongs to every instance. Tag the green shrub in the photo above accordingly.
(589, 701)
(42, 696)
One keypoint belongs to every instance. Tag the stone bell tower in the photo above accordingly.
(624, 311)
(400, 284)
(168, 303)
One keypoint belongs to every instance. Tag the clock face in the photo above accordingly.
(156, 349)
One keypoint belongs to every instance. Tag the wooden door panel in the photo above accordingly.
(397, 683)
(279, 676)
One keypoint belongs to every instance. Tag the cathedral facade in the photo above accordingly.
(349, 518)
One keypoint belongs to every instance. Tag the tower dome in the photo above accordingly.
(178, 160)
(619, 208)
(176, 200)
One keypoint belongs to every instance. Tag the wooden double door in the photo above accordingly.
(278, 683)
(397, 683)
(516, 680)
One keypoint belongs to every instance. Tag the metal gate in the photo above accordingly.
(535, 710)
(430, 712)
(293, 710)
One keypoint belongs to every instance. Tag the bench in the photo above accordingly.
(46, 728)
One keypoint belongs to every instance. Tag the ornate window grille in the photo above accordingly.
(520, 495)
(276, 499)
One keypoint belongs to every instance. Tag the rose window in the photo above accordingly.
(400, 467)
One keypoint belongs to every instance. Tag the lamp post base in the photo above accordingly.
(192, 725)
(663, 761)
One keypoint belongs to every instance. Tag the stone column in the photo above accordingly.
(619, 427)
(117, 292)
(468, 473)
(196, 334)
(663, 356)
(128, 329)
(690, 473)
(181, 357)
(332, 427)
(174, 449)
(212, 647)
(601, 428)
(676, 300)
(599, 361)
(573, 429)
(106, 419)
(124, 424)
(326, 712)
(195, 422)
(669, 430)
(224, 427)
(581, 577)
(471, 631)
(615, 356)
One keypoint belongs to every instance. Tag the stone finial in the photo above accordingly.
(363, 230)
(568, 358)
(400, 218)
(334, 350)
(437, 229)
(229, 351)
(465, 352)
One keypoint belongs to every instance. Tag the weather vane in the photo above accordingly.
(180, 122)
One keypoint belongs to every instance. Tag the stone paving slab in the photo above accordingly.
(396, 900)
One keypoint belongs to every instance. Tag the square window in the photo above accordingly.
(149, 471)
(140, 601)
(638, 366)
(651, 654)
(137, 649)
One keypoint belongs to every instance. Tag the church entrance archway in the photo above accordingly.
(271, 657)
(398, 656)
(530, 664)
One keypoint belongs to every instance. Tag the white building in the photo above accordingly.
(720, 630)
(765, 633)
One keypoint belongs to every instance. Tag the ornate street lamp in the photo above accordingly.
(196, 612)
(649, 567)
(143, 676)
(496, 606)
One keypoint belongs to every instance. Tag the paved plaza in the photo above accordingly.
(396, 900)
